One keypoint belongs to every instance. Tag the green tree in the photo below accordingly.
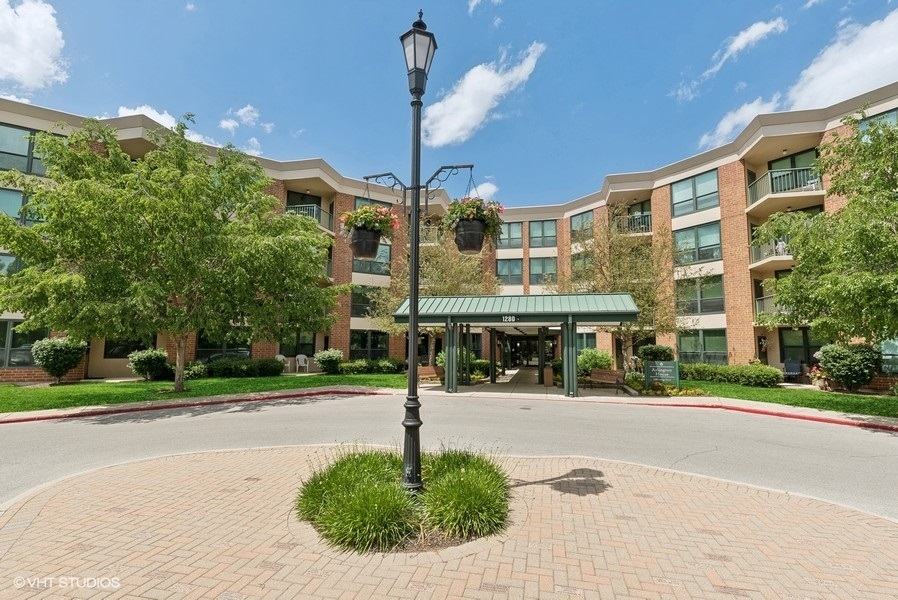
(444, 271)
(610, 259)
(845, 281)
(175, 241)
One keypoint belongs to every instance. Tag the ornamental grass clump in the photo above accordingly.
(373, 217)
(358, 502)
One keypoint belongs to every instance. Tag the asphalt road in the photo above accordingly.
(845, 465)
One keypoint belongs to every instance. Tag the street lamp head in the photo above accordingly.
(419, 46)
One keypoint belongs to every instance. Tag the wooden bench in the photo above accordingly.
(607, 377)
(431, 372)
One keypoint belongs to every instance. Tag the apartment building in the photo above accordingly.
(710, 202)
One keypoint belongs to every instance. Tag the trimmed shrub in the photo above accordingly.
(57, 356)
(355, 367)
(655, 352)
(151, 364)
(750, 375)
(329, 360)
(557, 364)
(245, 367)
(635, 380)
(849, 366)
(591, 358)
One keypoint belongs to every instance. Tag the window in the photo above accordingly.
(543, 270)
(543, 234)
(372, 345)
(799, 344)
(17, 150)
(209, 349)
(585, 340)
(361, 301)
(703, 346)
(122, 348)
(890, 357)
(379, 266)
(512, 236)
(698, 244)
(298, 343)
(15, 347)
(695, 194)
(299, 199)
(9, 264)
(889, 118)
(581, 261)
(792, 172)
(581, 226)
(11, 202)
(510, 271)
(700, 296)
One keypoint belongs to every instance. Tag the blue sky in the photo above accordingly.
(544, 98)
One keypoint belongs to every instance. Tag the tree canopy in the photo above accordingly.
(845, 281)
(176, 241)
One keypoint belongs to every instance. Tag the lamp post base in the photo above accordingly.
(411, 456)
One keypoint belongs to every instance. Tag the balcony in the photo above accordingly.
(767, 305)
(767, 259)
(784, 189)
(322, 217)
(633, 223)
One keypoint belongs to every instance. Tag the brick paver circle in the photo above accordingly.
(221, 525)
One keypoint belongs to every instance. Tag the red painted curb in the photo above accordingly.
(129, 409)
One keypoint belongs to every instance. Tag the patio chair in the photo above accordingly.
(302, 362)
(281, 359)
(792, 370)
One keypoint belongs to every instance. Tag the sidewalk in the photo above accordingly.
(221, 525)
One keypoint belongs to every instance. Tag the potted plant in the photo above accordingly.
(473, 219)
(818, 377)
(365, 226)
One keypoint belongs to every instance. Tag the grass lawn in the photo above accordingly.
(16, 398)
(859, 404)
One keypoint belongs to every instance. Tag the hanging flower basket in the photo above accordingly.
(473, 220)
(364, 243)
(365, 226)
(469, 234)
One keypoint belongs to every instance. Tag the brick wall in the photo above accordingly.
(737, 281)
(342, 273)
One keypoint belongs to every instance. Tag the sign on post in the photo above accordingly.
(664, 371)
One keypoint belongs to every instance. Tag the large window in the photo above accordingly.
(581, 261)
(581, 226)
(543, 234)
(379, 266)
(10, 202)
(209, 348)
(9, 264)
(298, 343)
(361, 300)
(585, 340)
(372, 345)
(122, 348)
(512, 235)
(510, 271)
(15, 347)
(698, 244)
(799, 344)
(17, 150)
(694, 194)
(703, 346)
(700, 296)
(543, 270)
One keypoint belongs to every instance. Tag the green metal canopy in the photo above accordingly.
(532, 310)
(525, 314)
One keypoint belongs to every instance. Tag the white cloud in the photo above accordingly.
(497, 22)
(229, 125)
(252, 147)
(166, 120)
(811, 3)
(744, 40)
(472, 4)
(268, 127)
(736, 120)
(190, 6)
(861, 58)
(248, 115)
(487, 190)
(471, 102)
(31, 45)
(15, 98)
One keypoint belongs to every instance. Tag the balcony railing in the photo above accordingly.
(768, 305)
(784, 180)
(324, 218)
(771, 249)
(633, 223)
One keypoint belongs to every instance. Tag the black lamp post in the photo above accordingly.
(419, 46)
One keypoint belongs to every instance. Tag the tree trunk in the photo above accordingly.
(180, 351)
(432, 350)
